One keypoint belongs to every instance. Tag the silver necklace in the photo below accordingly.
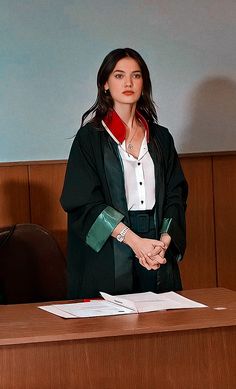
(130, 146)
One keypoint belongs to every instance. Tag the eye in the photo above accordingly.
(137, 75)
(119, 76)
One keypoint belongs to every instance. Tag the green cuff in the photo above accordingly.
(165, 225)
(103, 227)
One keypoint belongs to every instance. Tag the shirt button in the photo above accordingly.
(140, 183)
(139, 163)
(142, 201)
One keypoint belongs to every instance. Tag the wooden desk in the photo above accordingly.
(184, 349)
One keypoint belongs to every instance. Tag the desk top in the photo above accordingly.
(25, 323)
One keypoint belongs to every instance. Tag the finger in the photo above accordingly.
(155, 267)
(156, 250)
(159, 243)
(157, 259)
(144, 263)
(160, 260)
(162, 253)
(150, 260)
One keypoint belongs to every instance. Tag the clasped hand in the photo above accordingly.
(150, 253)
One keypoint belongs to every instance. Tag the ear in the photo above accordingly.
(106, 86)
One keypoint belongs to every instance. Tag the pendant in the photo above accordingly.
(130, 146)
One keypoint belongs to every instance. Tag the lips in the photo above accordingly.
(127, 93)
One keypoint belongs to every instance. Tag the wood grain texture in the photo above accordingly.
(225, 215)
(169, 354)
(35, 199)
(14, 195)
(32, 325)
(194, 359)
(46, 182)
(198, 268)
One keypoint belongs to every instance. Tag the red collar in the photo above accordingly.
(117, 127)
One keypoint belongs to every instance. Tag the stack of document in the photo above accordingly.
(122, 305)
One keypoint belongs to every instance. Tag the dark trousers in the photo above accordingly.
(142, 223)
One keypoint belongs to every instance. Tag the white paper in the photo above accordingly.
(88, 309)
(122, 300)
(122, 305)
(149, 301)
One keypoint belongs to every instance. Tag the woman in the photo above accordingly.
(124, 191)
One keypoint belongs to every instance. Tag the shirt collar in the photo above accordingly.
(116, 127)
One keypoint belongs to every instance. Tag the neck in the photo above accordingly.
(126, 113)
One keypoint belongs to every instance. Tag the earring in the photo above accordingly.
(106, 91)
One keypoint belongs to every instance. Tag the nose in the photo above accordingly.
(128, 81)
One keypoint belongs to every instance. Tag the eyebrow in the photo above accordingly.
(122, 71)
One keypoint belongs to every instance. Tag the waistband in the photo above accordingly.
(142, 221)
(149, 212)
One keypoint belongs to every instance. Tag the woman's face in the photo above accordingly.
(125, 83)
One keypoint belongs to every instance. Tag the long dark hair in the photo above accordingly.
(104, 101)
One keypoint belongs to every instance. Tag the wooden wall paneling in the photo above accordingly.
(46, 182)
(198, 268)
(30, 192)
(224, 170)
(14, 195)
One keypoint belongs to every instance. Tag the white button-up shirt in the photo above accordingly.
(139, 175)
(139, 178)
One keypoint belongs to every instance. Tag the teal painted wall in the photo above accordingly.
(50, 52)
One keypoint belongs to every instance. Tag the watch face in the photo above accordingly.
(120, 238)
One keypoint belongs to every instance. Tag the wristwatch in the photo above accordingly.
(121, 236)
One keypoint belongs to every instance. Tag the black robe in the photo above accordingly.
(94, 198)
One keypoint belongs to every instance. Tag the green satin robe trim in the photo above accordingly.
(103, 227)
(165, 225)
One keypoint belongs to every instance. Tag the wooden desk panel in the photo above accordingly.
(185, 360)
(170, 349)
